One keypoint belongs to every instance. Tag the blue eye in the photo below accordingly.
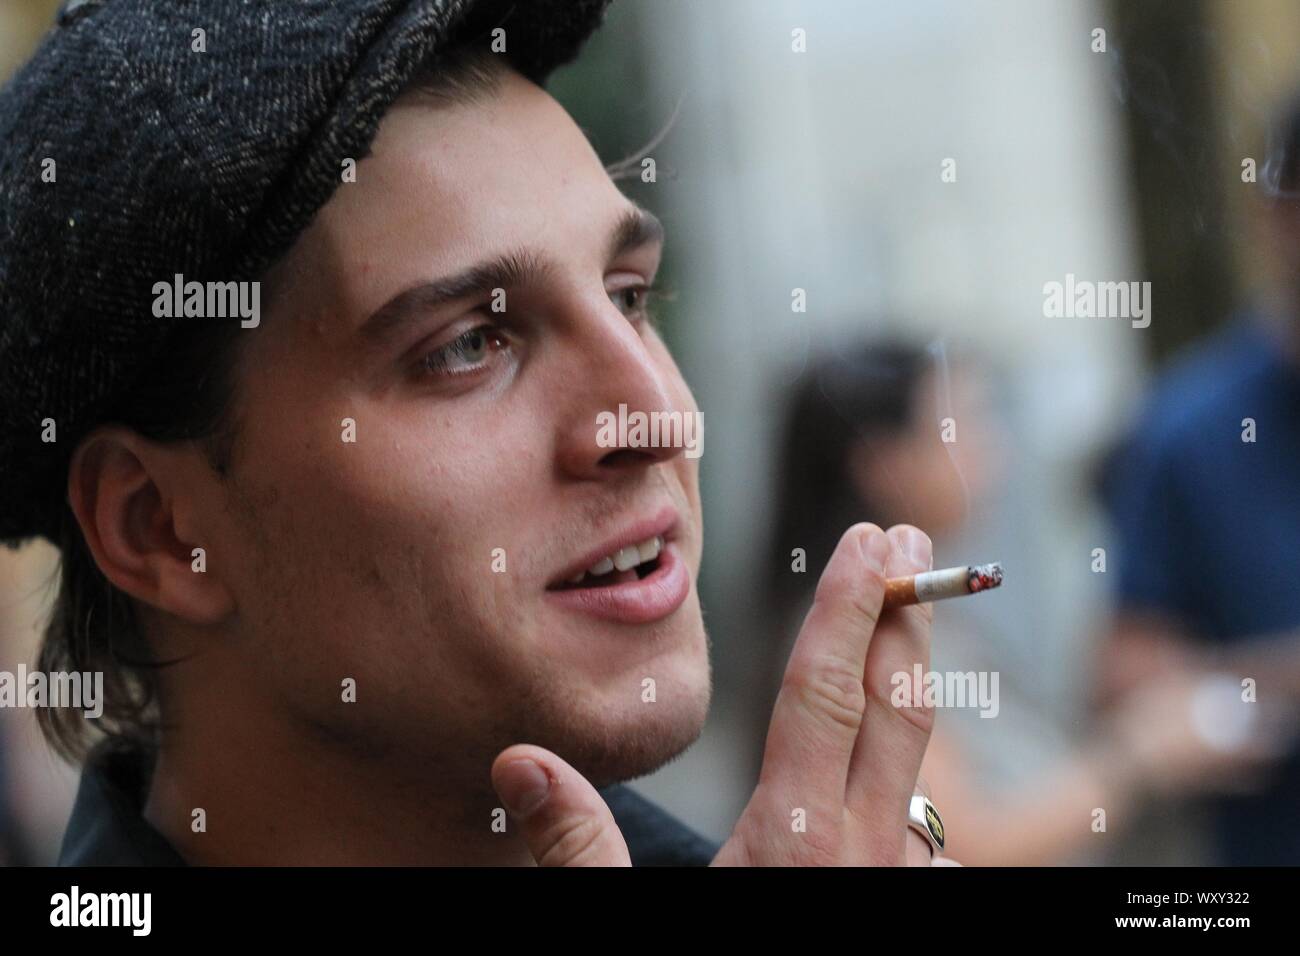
(466, 353)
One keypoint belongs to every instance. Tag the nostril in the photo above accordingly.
(627, 457)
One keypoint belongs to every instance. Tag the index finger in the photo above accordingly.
(819, 709)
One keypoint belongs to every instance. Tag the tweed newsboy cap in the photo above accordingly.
(174, 161)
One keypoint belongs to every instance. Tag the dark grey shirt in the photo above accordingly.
(108, 828)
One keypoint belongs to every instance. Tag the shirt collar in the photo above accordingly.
(108, 828)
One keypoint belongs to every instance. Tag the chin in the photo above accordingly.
(617, 744)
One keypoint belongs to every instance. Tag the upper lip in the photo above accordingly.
(662, 522)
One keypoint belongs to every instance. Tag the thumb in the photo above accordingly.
(562, 817)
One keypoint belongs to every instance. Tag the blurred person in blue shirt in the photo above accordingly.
(1205, 498)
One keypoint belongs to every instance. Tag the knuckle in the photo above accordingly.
(855, 601)
(918, 715)
(833, 693)
(572, 841)
(822, 848)
(865, 601)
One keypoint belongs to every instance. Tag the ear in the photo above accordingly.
(136, 510)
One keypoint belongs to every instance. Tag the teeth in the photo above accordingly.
(625, 560)
(649, 550)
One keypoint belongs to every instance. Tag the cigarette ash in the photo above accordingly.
(984, 577)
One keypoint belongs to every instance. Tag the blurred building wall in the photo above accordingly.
(821, 170)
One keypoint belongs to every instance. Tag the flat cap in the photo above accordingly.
(169, 159)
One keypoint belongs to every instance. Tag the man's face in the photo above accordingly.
(425, 559)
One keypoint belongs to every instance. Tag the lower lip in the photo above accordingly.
(644, 601)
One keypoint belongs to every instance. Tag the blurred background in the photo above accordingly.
(921, 171)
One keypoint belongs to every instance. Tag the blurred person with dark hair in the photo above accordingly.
(863, 440)
(1205, 498)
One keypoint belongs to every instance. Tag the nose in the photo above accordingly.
(626, 412)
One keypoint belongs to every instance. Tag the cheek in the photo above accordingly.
(412, 483)
(442, 483)
(393, 536)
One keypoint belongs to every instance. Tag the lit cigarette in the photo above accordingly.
(937, 585)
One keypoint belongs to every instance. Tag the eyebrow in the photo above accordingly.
(635, 228)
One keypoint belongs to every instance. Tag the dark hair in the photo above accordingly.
(187, 395)
(463, 74)
(840, 400)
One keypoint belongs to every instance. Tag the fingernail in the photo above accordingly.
(918, 548)
(525, 787)
(875, 548)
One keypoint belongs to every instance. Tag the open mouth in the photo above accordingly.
(632, 563)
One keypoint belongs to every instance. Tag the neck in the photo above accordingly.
(279, 799)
